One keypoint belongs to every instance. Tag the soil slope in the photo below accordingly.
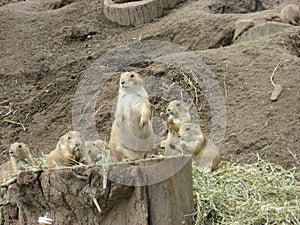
(46, 47)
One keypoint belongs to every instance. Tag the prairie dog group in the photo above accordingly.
(69, 151)
(177, 114)
(290, 14)
(186, 137)
(132, 135)
(20, 156)
(205, 153)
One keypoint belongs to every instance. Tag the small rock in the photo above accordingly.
(80, 32)
(276, 92)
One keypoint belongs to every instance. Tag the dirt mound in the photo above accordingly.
(5, 2)
(49, 46)
(240, 7)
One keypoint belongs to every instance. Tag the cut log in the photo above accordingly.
(136, 12)
(76, 195)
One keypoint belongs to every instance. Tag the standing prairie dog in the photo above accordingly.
(69, 151)
(290, 14)
(20, 156)
(205, 153)
(177, 114)
(132, 135)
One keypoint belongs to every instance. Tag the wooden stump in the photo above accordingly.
(68, 195)
(136, 12)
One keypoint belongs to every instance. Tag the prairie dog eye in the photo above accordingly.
(187, 129)
(69, 137)
(20, 146)
(132, 75)
(177, 104)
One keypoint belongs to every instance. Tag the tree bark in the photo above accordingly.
(68, 195)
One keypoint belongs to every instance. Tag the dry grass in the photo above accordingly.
(39, 163)
(260, 193)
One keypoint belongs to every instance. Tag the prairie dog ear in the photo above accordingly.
(26, 148)
(62, 139)
(188, 105)
(58, 145)
(61, 142)
(139, 81)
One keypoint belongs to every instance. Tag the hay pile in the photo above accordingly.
(260, 193)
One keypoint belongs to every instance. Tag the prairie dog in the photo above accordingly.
(132, 135)
(205, 153)
(290, 14)
(69, 151)
(177, 114)
(19, 156)
(97, 150)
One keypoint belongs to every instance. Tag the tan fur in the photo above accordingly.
(177, 114)
(205, 153)
(290, 14)
(132, 134)
(19, 156)
(69, 151)
(96, 149)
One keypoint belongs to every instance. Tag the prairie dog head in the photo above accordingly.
(290, 14)
(130, 80)
(70, 142)
(190, 134)
(291, 8)
(100, 144)
(97, 145)
(96, 149)
(178, 109)
(19, 151)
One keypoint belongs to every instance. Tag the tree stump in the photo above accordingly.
(70, 196)
(136, 12)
